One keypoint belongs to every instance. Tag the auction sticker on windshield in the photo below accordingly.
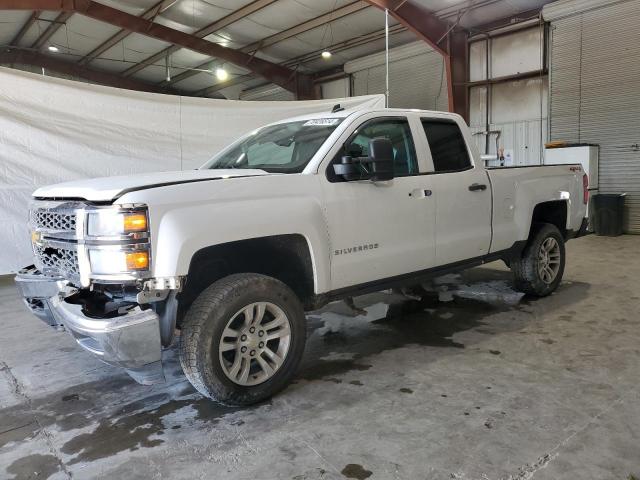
(323, 122)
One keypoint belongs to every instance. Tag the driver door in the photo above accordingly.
(380, 229)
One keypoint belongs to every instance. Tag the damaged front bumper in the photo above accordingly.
(130, 340)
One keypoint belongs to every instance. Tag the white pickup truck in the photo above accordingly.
(286, 219)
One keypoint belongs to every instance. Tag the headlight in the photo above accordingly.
(113, 223)
(112, 261)
(117, 241)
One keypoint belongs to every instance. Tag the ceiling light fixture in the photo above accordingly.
(326, 54)
(53, 48)
(221, 74)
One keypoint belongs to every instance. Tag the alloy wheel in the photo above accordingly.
(549, 260)
(255, 343)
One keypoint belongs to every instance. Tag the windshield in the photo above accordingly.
(281, 148)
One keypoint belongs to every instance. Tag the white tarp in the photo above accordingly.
(54, 130)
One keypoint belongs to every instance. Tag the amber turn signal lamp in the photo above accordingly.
(137, 260)
(135, 222)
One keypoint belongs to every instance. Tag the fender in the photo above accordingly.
(186, 218)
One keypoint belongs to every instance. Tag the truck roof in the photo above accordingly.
(360, 111)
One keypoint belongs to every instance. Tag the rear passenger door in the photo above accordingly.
(462, 193)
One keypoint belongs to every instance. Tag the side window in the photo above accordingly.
(395, 129)
(448, 148)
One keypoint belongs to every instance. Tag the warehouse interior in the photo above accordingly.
(467, 379)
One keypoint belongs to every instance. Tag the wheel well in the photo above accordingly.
(554, 212)
(285, 257)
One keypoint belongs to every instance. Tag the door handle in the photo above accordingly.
(474, 187)
(420, 193)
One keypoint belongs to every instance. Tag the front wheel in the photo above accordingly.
(539, 270)
(242, 339)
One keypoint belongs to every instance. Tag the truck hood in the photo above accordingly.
(110, 188)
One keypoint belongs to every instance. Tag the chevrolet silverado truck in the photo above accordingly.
(288, 218)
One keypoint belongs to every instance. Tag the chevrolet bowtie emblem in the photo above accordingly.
(36, 237)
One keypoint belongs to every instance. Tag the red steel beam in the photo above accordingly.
(458, 73)
(443, 39)
(300, 84)
(14, 56)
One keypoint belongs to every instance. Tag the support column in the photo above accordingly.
(458, 73)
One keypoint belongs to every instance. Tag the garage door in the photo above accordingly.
(417, 77)
(594, 97)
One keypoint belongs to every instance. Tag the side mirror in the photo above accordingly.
(381, 155)
(377, 167)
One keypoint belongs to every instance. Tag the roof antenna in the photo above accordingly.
(337, 108)
(386, 56)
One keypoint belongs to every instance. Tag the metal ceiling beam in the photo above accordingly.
(307, 57)
(284, 35)
(151, 13)
(304, 27)
(53, 27)
(208, 30)
(25, 28)
(300, 84)
(15, 56)
(345, 45)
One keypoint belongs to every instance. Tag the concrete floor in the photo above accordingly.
(480, 387)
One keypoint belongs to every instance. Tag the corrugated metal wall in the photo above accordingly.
(417, 77)
(595, 93)
(269, 92)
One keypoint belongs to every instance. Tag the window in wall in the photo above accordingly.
(448, 148)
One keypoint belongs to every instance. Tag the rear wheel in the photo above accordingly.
(539, 270)
(242, 339)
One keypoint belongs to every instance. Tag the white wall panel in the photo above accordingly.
(518, 52)
(478, 61)
(519, 100)
(478, 107)
(335, 88)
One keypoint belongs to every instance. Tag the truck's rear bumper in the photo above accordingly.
(130, 341)
(583, 230)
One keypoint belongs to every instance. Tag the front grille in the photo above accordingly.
(57, 261)
(53, 221)
(55, 239)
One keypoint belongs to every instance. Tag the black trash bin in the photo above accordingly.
(607, 211)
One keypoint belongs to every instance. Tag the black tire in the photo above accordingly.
(202, 332)
(525, 269)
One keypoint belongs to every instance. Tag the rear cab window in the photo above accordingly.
(448, 147)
